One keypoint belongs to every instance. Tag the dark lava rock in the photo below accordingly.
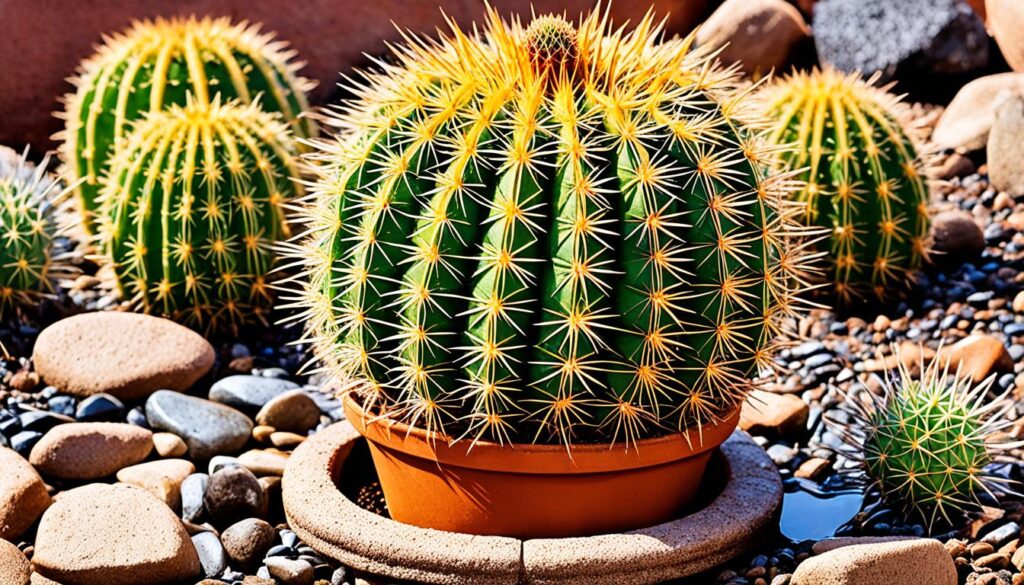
(939, 36)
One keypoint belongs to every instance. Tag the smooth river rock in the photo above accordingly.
(208, 428)
(161, 478)
(23, 497)
(921, 561)
(111, 535)
(249, 393)
(90, 450)
(126, 355)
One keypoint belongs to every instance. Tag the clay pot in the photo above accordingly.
(535, 491)
(1005, 19)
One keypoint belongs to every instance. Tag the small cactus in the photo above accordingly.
(156, 64)
(548, 234)
(864, 178)
(193, 207)
(926, 442)
(28, 199)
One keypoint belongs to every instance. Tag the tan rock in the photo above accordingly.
(264, 461)
(967, 120)
(14, 567)
(1018, 303)
(823, 546)
(1006, 24)
(908, 354)
(169, 445)
(23, 496)
(90, 450)
(283, 440)
(920, 561)
(978, 355)
(813, 468)
(954, 166)
(111, 535)
(127, 355)
(161, 478)
(780, 415)
(1005, 152)
(292, 411)
(759, 34)
(262, 433)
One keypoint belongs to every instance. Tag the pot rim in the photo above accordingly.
(537, 459)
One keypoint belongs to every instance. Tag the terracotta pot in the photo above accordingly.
(535, 491)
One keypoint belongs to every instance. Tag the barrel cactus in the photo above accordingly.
(925, 442)
(547, 234)
(864, 178)
(192, 210)
(156, 64)
(28, 198)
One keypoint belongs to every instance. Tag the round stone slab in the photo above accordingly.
(336, 527)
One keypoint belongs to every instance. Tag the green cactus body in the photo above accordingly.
(193, 208)
(926, 442)
(578, 245)
(28, 197)
(157, 64)
(864, 178)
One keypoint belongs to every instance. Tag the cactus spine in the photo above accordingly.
(193, 207)
(864, 179)
(28, 199)
(926, 442)
(574, 243)
(156, 64)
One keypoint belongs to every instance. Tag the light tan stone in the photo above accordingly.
(23, 496)
(160, 478)
(111, 535)
(292, 411)
(967, 120)
(14, 567)
(90, 450)
(127, 355)
(1006, 24)
(921, 561)
(169, 445)
(1004, 151)
(264, 461)
(758, 34)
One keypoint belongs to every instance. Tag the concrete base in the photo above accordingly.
(727, 526)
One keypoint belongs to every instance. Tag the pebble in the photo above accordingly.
(773, 415)
(289, 572)
(956, 239)
(211, 553)
(161, 478)
(23, 496)
(249, 393)
(99, 407)
(86, 451)
(110, 535)
(127, 355)
(234, 494)
(169, 445)
(293, 411)
(906, 561)
(283, 440)
(978, 356)
(247, 541)
(264, 461)
(14, 567)
(1002, 534)
(208, 428)
(193, 490)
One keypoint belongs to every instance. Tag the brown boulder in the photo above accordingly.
(127, 355)
(90, 450)
(968, 118)
(978, 356)
(14, 567)
(23, 497)
(759, 34)
(113, 535)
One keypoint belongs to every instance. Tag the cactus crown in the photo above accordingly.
(159, 63)
(28, 198)
(192, 208)
(863, 177)
(926, 442)
(551, 42)
(500, 252)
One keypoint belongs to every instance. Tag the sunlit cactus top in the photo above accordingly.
(926, 441)
(865, 179)
(29, 197)
(155, 64)
(548, 234)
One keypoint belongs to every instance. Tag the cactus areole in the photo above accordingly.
(549, 234)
